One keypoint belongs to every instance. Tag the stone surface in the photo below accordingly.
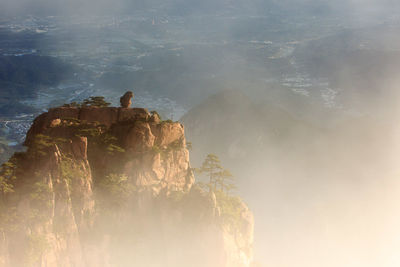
(106, 115)
(55, 123)
(165, 214)
(168, 133)
(56, 235)
(79, 147)
(139, 138)
(126, 114)
(126, 99)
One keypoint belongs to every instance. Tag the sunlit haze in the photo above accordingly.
(297, 101)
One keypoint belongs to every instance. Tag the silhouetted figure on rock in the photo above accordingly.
(125, 100)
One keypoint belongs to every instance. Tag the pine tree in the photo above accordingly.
(95, 101)
(211, 166)
(219, 178)
(225, 181)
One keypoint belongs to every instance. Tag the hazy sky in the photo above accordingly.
(345, 210)
(108, 6)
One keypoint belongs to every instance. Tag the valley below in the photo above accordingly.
(302, 107)
(172, 63)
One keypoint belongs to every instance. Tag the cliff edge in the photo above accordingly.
(106, 186)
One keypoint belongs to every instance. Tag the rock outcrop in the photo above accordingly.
(114, 187)
(136, 133)
(125, 100)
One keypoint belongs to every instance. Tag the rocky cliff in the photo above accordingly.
(114, 187)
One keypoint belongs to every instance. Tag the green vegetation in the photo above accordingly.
(113, 192)
(69, 170)
(102, 146)
(98, 137)
(231, 210)
(7, 176)
(219, 179)
(88, 130)
(41, 195)
(112, 149)
(175, 146)
(93, 101)
(41, 144)
(72, 105)
(37, 245)
(110, 143)
(71, 121)
(221, 182)
(7, 179)
(156, 149)
(155, 113)
(164, 151)
(6, 151)
(41, 201)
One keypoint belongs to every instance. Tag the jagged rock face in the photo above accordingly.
(51, 237)
(188, 232)
(69, 209)
(137, 134)
(103, 115)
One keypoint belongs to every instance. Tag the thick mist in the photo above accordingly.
(299, 99)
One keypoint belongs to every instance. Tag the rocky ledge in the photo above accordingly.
(105, 186)
(140, 134)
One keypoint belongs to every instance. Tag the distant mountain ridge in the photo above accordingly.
(231, 124)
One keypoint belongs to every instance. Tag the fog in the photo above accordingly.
(189, 7)
(315, 147)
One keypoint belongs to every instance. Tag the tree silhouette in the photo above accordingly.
(219, 178)
(211, 166)
(225, 181)
(95, 101)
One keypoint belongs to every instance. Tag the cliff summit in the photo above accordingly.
(107, 186)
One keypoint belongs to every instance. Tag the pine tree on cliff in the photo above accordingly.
(95, 101)
(219, 178)
(225, 181)
(211, 166)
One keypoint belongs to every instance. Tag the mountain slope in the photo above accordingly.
(114, 187)
(229, 123)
